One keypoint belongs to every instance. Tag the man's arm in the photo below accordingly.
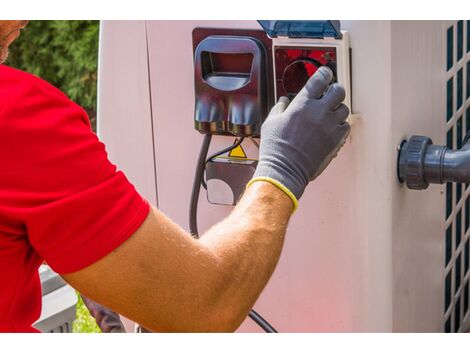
(165, 280)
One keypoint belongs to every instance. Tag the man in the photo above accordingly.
(63, 202)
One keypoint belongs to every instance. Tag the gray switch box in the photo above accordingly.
(226, 179)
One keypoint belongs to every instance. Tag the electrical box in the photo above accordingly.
(226, 179)
(232, 80)
(240, 74)
(301, 47)
(234, 91)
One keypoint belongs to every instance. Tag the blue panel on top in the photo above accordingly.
(302, 29)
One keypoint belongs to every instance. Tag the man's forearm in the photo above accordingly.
(248, 244)
(168, 281)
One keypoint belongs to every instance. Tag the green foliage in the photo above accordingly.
(65, 53)
(84, 321)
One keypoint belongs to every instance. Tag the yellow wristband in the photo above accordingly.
(278, 185)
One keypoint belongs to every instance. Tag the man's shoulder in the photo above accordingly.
(8, 72)
(14, 82)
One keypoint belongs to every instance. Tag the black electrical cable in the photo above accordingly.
(193, 229)
(223, 151)
(198, 178)
(258, 319)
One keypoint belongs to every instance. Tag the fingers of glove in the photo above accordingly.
(341, 114)
(318, 83)
(343, 132)
(280, 106)
(334, 96)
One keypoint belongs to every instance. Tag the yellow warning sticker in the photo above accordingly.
(237, 152)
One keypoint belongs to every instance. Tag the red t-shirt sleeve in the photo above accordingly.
(75, 206)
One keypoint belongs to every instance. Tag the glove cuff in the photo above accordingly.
(278, 185)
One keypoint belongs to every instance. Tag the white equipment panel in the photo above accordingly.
(363, 253)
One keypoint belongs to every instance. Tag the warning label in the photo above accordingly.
(237, 152)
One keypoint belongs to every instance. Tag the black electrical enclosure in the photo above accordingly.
(231, 79)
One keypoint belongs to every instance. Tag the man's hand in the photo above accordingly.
(298, 140)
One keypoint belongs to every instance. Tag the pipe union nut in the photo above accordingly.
(411, 162)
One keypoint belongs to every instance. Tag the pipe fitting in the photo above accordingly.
(420, 163)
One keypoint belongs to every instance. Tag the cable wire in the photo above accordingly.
(198, 178)
(225, 150)
(193, 229)
(258, 319)
(216, 154)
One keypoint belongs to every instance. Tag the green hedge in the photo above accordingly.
(65, 53)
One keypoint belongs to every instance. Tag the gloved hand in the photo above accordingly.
(298, 140)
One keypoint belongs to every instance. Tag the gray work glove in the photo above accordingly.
(298, 140)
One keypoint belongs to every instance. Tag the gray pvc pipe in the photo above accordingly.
(420, 163)
(443, 165)
(456, 166)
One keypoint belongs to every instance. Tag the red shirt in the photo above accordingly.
(61, 200)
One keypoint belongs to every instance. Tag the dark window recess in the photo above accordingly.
(450, 98)
(458, 272)
(459, 40)
(447, 327)
(467, 116)
(468, 36)
(450, 47)
(465, 300)
(467, 214)
(457, 316)
(448, 199)
(468, 82)
(458, 228)
(448, 290)
(460, 133)
(448, 244)
(458, 192)
(460, 88)
(466, 257)
(450, 138)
